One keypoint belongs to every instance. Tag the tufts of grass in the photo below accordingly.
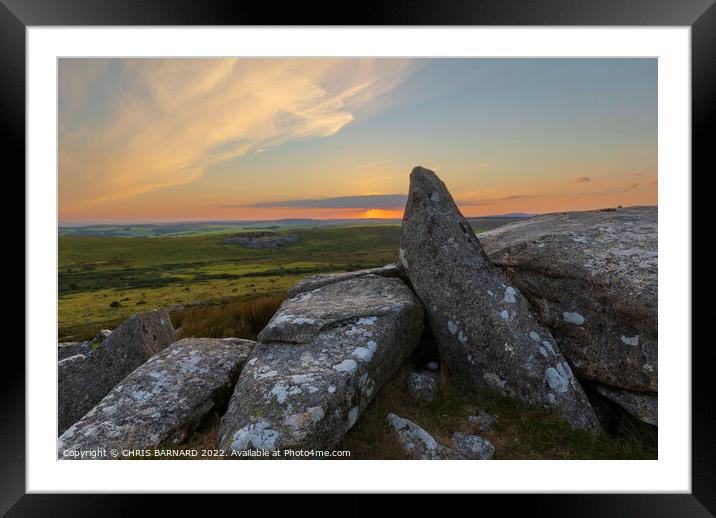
(239, 319)
(521, 431)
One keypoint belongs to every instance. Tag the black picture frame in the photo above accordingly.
(700, 15)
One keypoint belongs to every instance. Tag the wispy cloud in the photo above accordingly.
(369, 201)
(130, 126)
(584, 179)
(371, 164)
(633, 186)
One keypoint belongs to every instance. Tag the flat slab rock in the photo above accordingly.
(417, 443)
(593, 277)
(322, 358)
(486, 333)
(161, 401)
(641, 405)
(324, 279)
(85, 378)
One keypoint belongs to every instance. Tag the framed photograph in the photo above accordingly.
(444, 241)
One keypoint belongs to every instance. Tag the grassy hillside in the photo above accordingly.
(105, 279)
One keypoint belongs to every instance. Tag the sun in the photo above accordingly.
(382, 214)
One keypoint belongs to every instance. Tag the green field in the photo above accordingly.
(104, 278)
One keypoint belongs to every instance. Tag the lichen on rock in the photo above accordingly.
(483, 325)
(83, 382)
(320, 361)
(592, 277)
(163, 400)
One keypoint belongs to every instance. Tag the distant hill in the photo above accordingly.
(513, 215)
(193, 228)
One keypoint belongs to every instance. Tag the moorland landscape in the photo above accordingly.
(284, 294)
(108, 273)
(252, 265)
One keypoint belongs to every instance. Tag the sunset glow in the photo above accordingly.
(380, 213)
(260, 139)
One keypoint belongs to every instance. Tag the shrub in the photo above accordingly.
(114, 304)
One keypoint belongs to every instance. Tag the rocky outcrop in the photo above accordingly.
(592, 276)
(320, 360)
(161, 401)
(261, 240)
(485, 330)
(84, 379)
(472, 446)
(417, 443)
(641, 405)
(324, 279)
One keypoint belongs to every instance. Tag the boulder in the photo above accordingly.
(417, 443)
(486, 333)
(422, 386)
(320, 360)
(592, 276)
(83, 382)
(324, 279)
(642, 405)
(472, 446)
(163, 400)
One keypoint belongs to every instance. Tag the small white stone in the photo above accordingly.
(573, 318)
(510, 293)
(630, 340)
(348, 366)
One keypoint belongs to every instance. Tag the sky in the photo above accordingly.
(150, 140)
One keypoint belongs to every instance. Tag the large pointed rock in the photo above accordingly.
(593, 278)
(84, 379)
(322, 358)
(161, 401)
(485, 330)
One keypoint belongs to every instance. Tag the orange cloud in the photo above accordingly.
(172, 119)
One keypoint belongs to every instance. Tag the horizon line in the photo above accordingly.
(73, 224)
